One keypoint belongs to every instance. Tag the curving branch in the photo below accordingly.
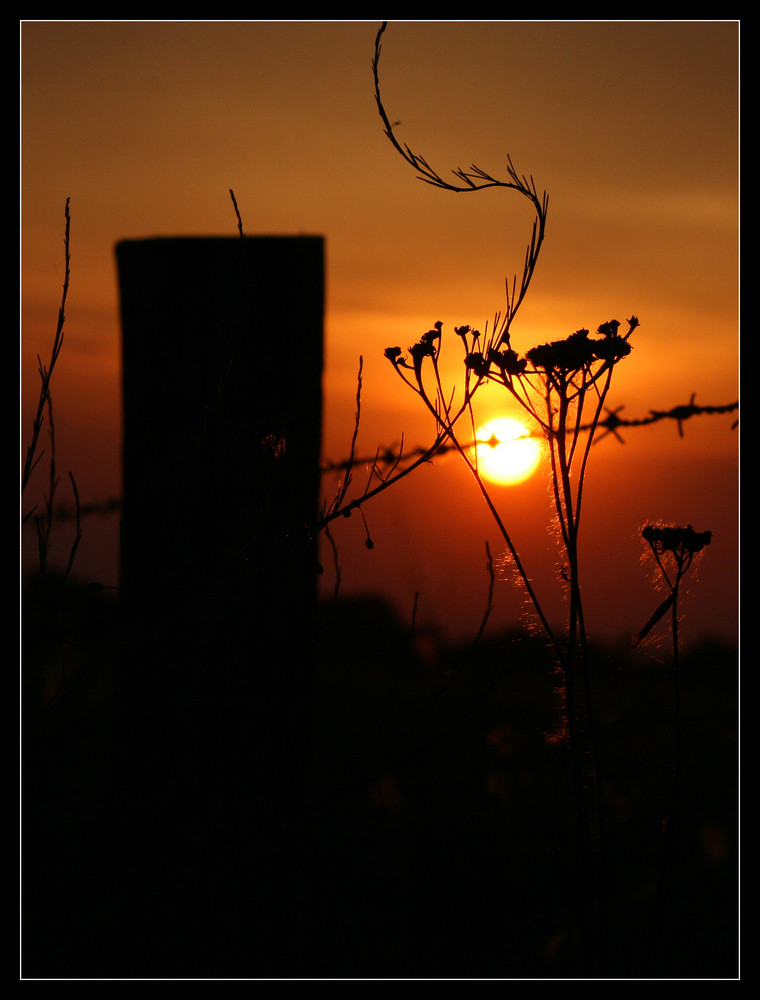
(476, 179)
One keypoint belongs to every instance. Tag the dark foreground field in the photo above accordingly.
(422, 826)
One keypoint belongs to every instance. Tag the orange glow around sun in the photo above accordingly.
(507, 453)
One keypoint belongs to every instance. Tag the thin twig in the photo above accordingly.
(78, 534)
(237, 214)
(46, 372)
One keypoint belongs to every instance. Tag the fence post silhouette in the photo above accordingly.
(222, 362)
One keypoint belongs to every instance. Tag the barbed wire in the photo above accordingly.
(613, 423)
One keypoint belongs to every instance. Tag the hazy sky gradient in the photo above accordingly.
(632, 128)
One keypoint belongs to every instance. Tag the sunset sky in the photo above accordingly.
(630, 126)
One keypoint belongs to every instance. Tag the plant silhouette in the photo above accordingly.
(562, 387)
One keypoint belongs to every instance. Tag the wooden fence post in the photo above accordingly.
(222, 363)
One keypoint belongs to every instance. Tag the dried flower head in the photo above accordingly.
(507, 361)
(683, 543)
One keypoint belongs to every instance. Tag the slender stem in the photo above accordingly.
(447, 426)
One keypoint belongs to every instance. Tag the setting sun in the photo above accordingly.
(507, 453)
